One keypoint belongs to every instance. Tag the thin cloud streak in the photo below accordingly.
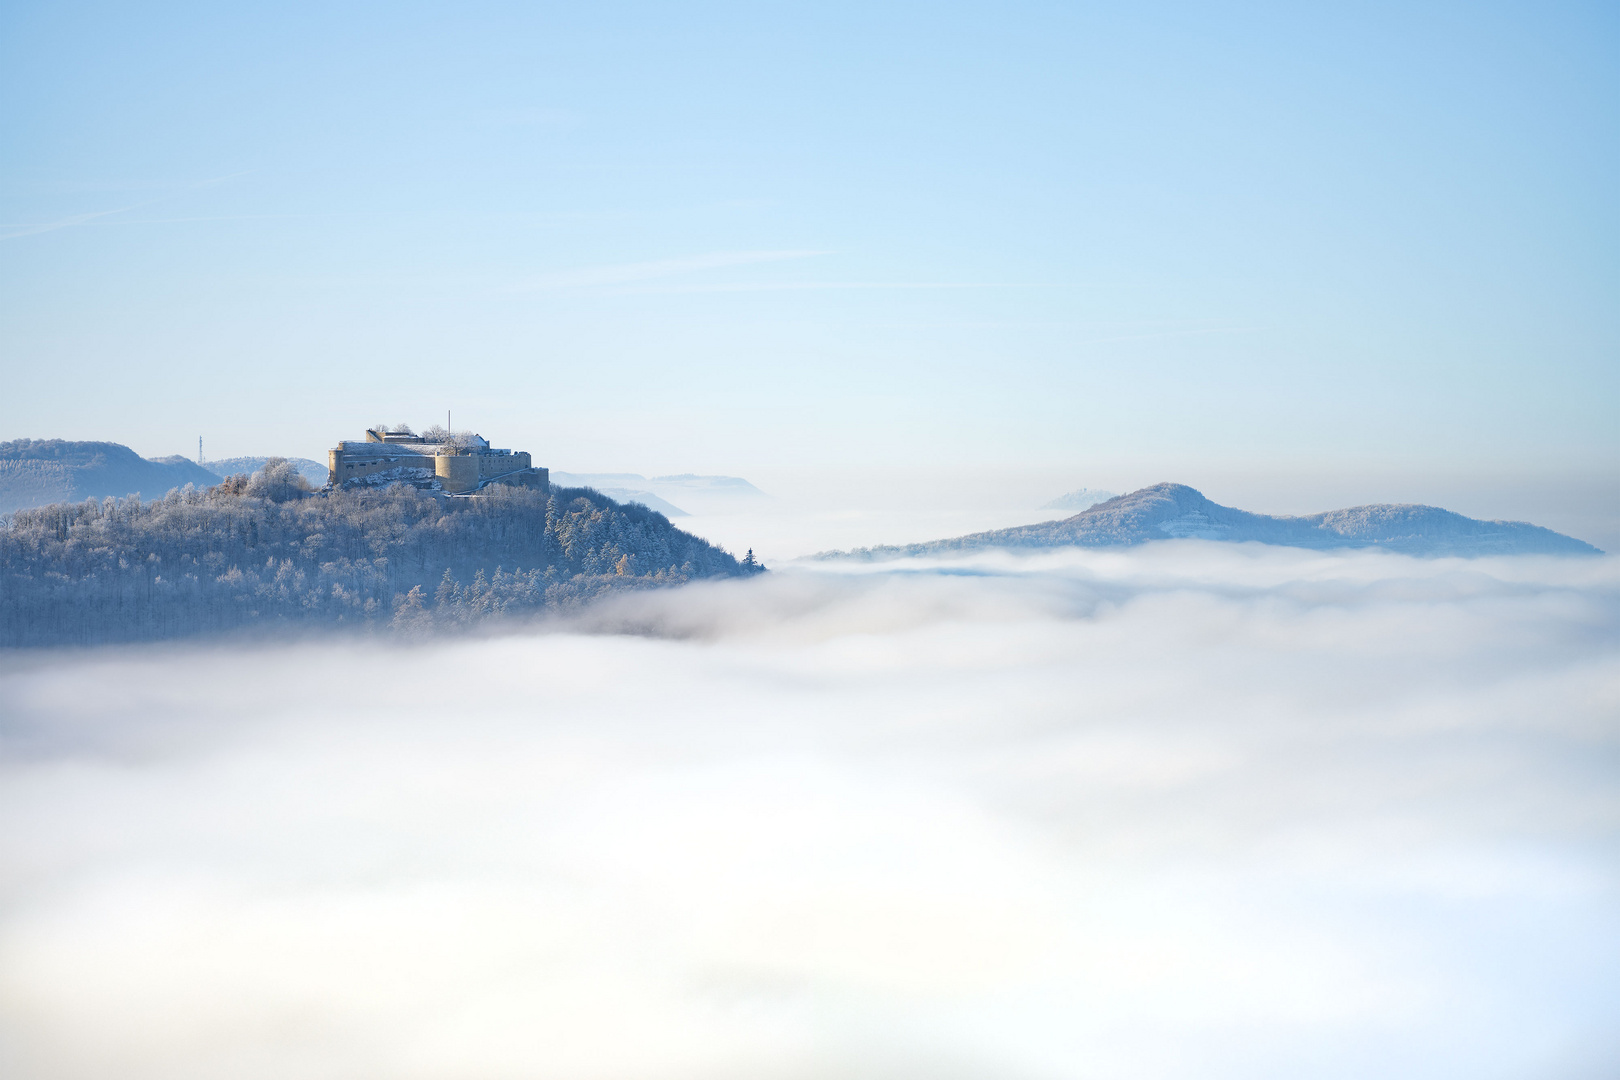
(33, 230)
(212, 180)
(593, 276)
(796, 286)
(36, 228)
(208, 217)
(1172, 334)
(529, 117)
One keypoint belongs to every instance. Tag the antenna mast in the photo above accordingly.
(199, 450)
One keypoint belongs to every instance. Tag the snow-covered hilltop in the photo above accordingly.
(265, 553)
(1168, 511)
(37, 472)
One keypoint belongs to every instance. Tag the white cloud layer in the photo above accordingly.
(1190, 811)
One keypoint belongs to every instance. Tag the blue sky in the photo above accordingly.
(728, 238)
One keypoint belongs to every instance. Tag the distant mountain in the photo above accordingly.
(704, 494)
(1079, 499)
(621, 487)
(313, 471)
(38, 472)
(1166, 511)
(734, 486)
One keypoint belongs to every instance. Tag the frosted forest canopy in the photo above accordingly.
(264, 551)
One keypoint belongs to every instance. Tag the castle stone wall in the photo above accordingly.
(458, 473)
(537, 479)
(499, 464)
(344, 464)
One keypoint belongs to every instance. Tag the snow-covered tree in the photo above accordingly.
(264, 551)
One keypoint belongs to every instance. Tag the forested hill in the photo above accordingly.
(36, 472)
(266, 553)
(1168, 511)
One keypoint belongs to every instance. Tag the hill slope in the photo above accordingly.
(37, 472)
(1166, 511)
(264, 552)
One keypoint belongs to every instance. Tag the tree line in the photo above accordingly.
(264, 551)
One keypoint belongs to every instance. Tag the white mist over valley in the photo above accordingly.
(1182, 810)
(839, 541)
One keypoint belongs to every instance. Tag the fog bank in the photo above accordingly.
(1192, 810)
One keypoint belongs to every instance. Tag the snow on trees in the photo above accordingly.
(265, 551)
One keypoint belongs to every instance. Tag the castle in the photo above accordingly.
(457, 464)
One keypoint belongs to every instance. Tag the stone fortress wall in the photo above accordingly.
(459, 470)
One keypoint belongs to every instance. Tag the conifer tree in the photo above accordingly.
(265, 551)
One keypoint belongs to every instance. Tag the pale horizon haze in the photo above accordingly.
(1105, 244)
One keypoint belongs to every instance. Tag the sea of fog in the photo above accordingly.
(1190, 810)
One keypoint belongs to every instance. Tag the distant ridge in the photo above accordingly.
(731, 485)
(694, 493)
(314, 471)
(1168, 511)
(1080, 499)
(38, 472)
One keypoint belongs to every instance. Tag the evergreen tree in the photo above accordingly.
(264, 551)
